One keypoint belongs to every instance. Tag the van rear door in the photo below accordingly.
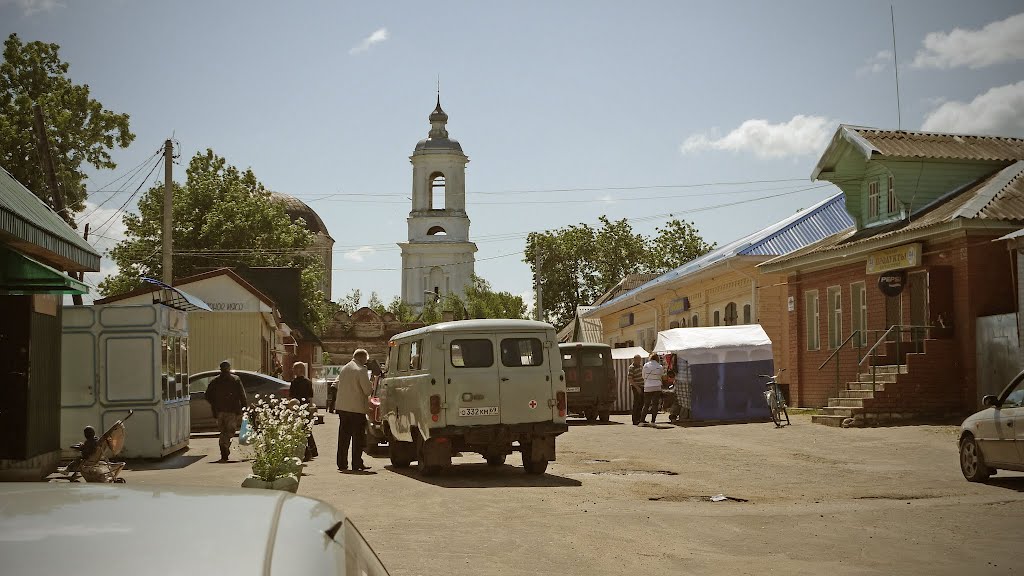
(471, 380)
(525, 377)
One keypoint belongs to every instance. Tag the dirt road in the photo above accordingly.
(634, 500)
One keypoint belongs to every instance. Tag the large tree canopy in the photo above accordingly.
(79, 129)
(579, 262)
(223, 217)
(480, 301)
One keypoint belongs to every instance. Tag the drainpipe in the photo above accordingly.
(753, 290)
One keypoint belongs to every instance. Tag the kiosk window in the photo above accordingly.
(472, 353)
(522, 352)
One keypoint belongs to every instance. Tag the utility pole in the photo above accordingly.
(168, 236)
(43, 145)
(540, 291)
(76, 299)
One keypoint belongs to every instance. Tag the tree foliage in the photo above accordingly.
(79, 129)
(480, 301)
(579, 263)
(223, 217)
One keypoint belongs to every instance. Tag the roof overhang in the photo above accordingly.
(174, 298)
(20, 275)
(845, 139)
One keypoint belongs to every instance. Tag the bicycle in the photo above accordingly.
(775, 398)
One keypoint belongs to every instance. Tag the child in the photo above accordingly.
(90, 445)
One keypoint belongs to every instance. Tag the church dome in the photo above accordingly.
(437, 140)
(296, 209)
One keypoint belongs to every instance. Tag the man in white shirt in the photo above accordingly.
(653, 372)
(353, 397)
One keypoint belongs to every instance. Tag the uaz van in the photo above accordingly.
(589, 379)
(487, 386)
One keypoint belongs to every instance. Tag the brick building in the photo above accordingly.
(909, 280)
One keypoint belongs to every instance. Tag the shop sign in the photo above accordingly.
(891, 283)
(901, 257)
(679, 305)
(227, 306)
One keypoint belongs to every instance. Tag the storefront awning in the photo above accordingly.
(21, 275)
(177, 299)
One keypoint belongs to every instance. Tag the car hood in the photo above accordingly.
(972, 421)
(111, 529)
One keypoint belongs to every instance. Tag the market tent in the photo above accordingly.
(621, 357)
(724, 362)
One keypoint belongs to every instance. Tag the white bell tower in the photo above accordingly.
(438, 258)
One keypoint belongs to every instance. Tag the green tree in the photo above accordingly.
(223, 217)
(675, 244)
(351, 301)
(79, 129)
(376, 304)
(402, 311)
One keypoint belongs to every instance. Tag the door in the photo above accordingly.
(893, 315)
(472, 393)
(199, 407)
(1009, 418)
(918, 282)
(525, 378)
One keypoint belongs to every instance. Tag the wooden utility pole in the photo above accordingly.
(540, 291)
(76, 299)
(168, 236)
(43, 145)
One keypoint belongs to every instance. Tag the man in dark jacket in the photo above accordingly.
(302, 390)
(226, 396)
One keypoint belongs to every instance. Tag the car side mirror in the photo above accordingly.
(990, 400)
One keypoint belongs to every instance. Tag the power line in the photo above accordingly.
(126, 202)
(102, 189)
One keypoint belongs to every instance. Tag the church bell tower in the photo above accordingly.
(438, 258)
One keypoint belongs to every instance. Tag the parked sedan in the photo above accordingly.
(114, 529)
(253, 382)
(993, 439)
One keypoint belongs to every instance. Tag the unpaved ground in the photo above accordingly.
(632, 500)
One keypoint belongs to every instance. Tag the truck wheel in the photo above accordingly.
(401, 453)
(495, 459)
(591, 415)
(536, 467)
(421, 461)
(604, 415)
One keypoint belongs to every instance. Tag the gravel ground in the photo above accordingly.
(622, 499)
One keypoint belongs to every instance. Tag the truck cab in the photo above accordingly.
(488, 386)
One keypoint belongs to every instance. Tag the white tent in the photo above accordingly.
(695, 344)
(621, 357)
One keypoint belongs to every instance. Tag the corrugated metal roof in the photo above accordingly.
(628, 283)
(901, 143)
(37, 230)
(824, 218)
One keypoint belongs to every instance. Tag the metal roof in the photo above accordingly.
(805, 227)
(175, 298)
(493, 325)
(29, 225)
(630, 282)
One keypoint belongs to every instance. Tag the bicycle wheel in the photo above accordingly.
(786, 413)
(773, 407)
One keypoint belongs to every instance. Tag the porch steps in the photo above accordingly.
(851, 400)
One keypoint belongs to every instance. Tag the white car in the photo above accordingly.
(993, 439)
(112, 529)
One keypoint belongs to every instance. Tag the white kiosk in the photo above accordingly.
(120, 358)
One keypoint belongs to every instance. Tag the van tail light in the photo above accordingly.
(435, 407)
(560, 396)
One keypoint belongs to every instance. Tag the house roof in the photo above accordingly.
(998, 197)
(628, 283)
(29, 225)
(820, 220)
(874, 142)
(590, 329)
(149, 287)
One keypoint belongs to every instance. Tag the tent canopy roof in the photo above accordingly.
(628, 353)
(745, 337)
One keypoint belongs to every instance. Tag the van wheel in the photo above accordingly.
(421, 461)
(401, 453)
(591, 415)
(495, 459)
(605, 415)
(537, 467)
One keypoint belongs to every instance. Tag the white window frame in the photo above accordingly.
(812, 320)
(873, 199)
(859, 314)
(834, 296)
(892, 206)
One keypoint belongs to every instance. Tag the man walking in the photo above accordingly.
(353, 396)
(653, 371)
(302, 390)
(226, 396)
(635, 379)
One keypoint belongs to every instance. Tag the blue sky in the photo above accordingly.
(326, 98)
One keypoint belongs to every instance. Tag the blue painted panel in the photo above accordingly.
(729, 391)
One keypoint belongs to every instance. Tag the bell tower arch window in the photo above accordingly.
(438, 187)
(437, 231)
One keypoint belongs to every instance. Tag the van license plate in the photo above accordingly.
(483, 411)
(572, 388)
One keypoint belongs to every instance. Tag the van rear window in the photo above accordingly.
(522, 352)
(472, 353)
(592, 358)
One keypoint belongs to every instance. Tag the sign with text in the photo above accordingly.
(679, 305)
(892, 283)
(906, 256)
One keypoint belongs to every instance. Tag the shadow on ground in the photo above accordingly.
(584, 422)
(1008, 482)
(174, 462)
(480, 475)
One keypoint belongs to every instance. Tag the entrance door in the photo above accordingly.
(893, 315)
(1008, 418)
(525, 378)
(918, 282)
(471, 380)
(14, 374)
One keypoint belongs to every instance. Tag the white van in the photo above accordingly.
(474, 386)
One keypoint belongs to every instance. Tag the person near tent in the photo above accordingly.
(635, 379)
(653, 372)
(681, 409)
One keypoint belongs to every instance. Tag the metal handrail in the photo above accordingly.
(886, 334)
(838, 348)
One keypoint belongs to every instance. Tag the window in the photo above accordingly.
(835, 317)
(746, 313)
(811, 307)
(730, 314)
(437, 191)
(472, 353)
(859, 311)
(592, 358)
(717, 318)
(404, 357)
(872, 199)
(435, 230)
(416, 355)
(693, 322)
(568, 361)
(891, 204)
(523, 352)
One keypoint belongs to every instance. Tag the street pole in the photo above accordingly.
(76, 299)
(168, 237)
(43, 145)
(540, 291)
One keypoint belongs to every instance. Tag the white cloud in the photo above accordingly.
(998, 111)
(30, 7)
(102, 240)
(876, 63)
(800, 136)
(997, 42)
(377, 37)
(359, 254)
(528, 299)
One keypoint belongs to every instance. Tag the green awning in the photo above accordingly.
(20, 275)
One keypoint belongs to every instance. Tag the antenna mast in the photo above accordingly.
(896, 66)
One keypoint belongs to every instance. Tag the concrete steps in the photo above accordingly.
(828, 420)
(857, 393)
(850, 401)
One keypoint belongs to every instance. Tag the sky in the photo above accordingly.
(713, 112)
